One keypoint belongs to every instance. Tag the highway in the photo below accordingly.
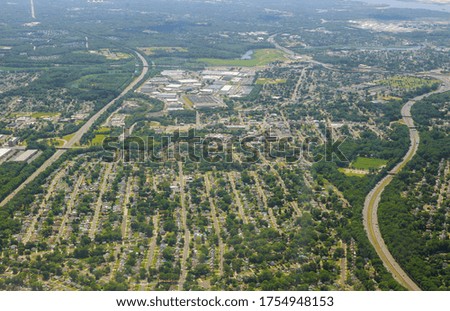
(33, 14)
(370, 211)
(297, 57)
(84, 129)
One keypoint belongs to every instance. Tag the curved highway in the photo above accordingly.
(373, 198)
(84, 129)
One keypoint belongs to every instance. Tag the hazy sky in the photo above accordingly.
(440, 5)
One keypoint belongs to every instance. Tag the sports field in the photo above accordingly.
(362, 163)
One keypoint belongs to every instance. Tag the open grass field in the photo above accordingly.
(40, 115)
(260, 58)
(98, 139)
(270, 81)
(103, 130)
(362, 163)
(408, 82)
(154, 123)
(166, 49)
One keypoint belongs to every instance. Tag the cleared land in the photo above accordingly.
(165, 49)
(355, 173)
(111, 55)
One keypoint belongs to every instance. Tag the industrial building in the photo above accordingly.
(5, 153)
(205, 101)
(25, 156)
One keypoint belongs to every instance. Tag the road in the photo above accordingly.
(237, 199)
(99, 203)
(125, 217)
(294, 56)
(215, 219)
(62, 232)
(187, 236)
(83, 130)
(370, 212)
(303, 58)
(262, 196)
(51, 188)
(33, 12)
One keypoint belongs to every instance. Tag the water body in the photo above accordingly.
(248, 55)
(411, 4)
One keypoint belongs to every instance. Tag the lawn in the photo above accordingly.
(261, 57)
(103, 130)
(362, 163)
(68, 137)
(98, 139)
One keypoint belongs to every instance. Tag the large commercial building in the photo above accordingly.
(5, 152)
(25, 156)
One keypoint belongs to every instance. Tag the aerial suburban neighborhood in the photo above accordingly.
(294, 146)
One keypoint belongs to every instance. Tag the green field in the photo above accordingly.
(362, 163)
(260, 58)
(40, 115)
(270, 81)
(103, 130)
(98, 139)
(165, 49)
(408, 82)
(68, 137)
